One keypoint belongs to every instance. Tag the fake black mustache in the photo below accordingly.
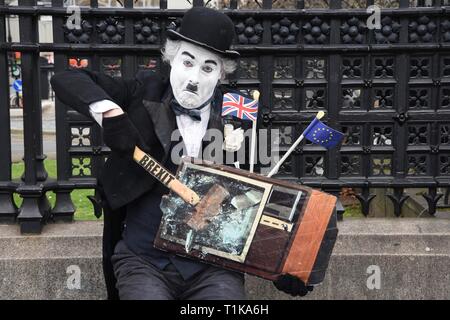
(192, 87)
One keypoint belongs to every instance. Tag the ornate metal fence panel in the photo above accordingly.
(387, 89)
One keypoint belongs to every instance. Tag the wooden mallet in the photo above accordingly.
(205, 208)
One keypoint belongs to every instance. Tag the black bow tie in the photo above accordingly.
(193, 113)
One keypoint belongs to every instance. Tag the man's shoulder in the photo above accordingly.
(149, 75)
(153, 83)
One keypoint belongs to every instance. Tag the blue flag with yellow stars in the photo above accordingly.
(319, 133)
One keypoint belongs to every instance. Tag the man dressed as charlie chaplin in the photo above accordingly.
(144, 112)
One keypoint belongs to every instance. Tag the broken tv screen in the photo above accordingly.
(225, 220)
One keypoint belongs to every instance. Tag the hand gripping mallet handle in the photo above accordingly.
(165, 177)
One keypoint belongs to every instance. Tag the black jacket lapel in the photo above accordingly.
(215, 116)
(163, 119)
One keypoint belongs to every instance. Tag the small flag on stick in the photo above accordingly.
(316, 132)
(239, 106)
(319, 133)
(243, 108)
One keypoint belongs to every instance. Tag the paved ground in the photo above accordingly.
(48, 127)
(17, 147)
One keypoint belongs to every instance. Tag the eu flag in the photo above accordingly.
(319, 133)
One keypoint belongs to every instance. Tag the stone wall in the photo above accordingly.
(411, 255)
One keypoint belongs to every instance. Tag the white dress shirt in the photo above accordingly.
(192, 131)
(98, 108)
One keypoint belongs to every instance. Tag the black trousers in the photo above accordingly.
(138, 279)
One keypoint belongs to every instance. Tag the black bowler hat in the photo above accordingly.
(208, 28)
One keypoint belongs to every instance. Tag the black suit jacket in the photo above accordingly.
(145, 99)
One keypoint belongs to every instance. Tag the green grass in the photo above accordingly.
(353, 211)
(84, 209)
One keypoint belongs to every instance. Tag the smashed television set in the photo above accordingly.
(249, 223)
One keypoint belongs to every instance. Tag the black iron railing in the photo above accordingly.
(387, 89)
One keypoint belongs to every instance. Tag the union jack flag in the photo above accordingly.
(239, 106)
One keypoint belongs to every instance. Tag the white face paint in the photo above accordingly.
(194, 75)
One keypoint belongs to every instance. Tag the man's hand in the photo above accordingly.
(120, 134)
(292, 285)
